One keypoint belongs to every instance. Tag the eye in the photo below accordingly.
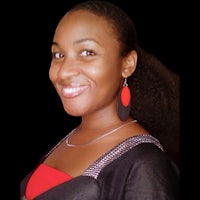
(86, 52)
(57, 55)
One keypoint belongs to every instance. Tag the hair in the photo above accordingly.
(154, 87)
(119, 21)
(155, 91)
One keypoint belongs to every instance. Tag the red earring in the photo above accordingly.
(125, 94)
(124, 101)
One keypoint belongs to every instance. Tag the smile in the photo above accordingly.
(69, 92)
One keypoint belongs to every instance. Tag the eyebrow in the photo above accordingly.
(86, 40)
(79, 41)
(54, 43)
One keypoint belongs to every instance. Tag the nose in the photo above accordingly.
(68, 68)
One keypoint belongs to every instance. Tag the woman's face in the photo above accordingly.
(86, 65)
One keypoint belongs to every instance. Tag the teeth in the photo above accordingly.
(71, 90)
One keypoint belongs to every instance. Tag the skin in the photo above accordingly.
(87, 72)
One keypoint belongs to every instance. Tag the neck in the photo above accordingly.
(98, 138)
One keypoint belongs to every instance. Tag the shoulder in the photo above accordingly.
(145, 172)
(150, 166)
(148, 155)
(144, 157)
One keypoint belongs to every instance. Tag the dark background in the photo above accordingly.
(35, 119)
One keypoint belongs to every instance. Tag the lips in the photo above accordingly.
(70, 92)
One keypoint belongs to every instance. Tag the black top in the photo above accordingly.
(144, 172)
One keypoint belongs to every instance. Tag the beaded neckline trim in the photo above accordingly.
(94, 169)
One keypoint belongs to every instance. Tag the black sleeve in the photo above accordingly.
(153, 176)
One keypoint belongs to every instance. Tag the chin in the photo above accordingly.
(73, 112)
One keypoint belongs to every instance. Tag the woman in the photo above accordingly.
(110, 155)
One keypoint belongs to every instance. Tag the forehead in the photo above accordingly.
(85, 23)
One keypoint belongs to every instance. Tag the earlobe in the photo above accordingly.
(129, 64)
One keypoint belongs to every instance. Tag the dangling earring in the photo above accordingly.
(124, 101)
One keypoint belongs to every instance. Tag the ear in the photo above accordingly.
(129, 64)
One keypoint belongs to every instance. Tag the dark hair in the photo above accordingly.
(120, 22)
(155, 91)
(154, 87)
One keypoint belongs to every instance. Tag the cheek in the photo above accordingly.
(106, 78)
(99, 75)
(105, 69)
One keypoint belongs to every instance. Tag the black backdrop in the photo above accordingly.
(34, 115)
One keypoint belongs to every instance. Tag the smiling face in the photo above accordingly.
(86, 67)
